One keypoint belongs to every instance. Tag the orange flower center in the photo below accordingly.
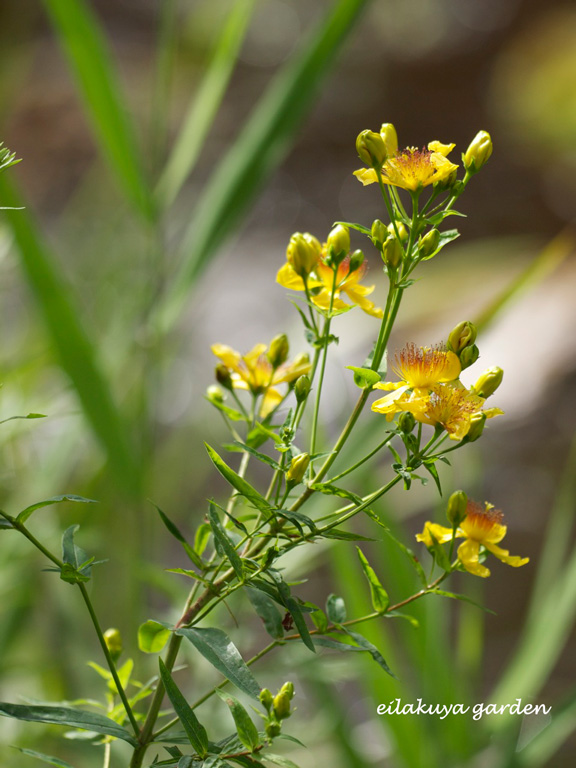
(424, 366)
(480, 521)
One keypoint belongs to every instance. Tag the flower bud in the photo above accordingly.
(338, 243)
(478, 153)
(302, 388)
(392, 252)
(278, 350)
(113, 640)
(406, 422)
(303, 253)
(469, 355)
(429, 244)
(356, 261)
(489, 382)
(273, 729)
(288, 689)
(223, 376)
(390, 139)
(266, 699)
(371, 148)
(477, 422)
(379, 233)
(281, 705)
(402, 231)
(215, 394)
(298, 467)
(462, 336)
(456, 509)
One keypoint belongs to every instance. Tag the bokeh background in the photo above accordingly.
(96, 282)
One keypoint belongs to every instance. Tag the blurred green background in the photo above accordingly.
(169, 151)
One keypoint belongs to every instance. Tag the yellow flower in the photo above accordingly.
(413, 168)
(254, 372)
(419, 369)
(320, 283)
(482, 527)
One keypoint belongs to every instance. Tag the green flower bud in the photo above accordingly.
(469, 355)
(113, 640)
(428, 244)
(456, 509)
(281, 705)
(273, 729)
(462, 336)
(303, 253)
(278, 350)
(402, 231)
(477, 422)
(478, 153)
(489, 382)
(371, 148)
(447, 183)
(298, 467)
(302, 388)
(215, 394)
(266, 699)
(406, 422)
(356, 261)
(390, 139)
(288, 689)
(392, 252)
(379, 233)
(338, 244)
(223, 376)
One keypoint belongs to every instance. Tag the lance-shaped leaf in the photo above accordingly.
(361, 641)
(68, 716)
(45, 758)
(221, 652)
(223, 543)
(380, 599)
(247, 731)
(175, 531)
(266, 609)
(293, 607)
(242, 486)
(194, 729)
(283, 762)
(25, 514)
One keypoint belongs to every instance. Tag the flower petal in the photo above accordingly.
(443, 149)
(288, 278)
(503, 554)
(440, 533)
(364, 304)
(270, 400)
(366, 176)
(468, 553)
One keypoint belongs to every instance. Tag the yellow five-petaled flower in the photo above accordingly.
(482, 527)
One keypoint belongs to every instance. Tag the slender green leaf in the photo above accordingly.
(239, 446)
(361, 641)
(242, 486)
(220, 651)
(194, 729)
(456, 596)
(338, 533)
(283, 762)
(28, 415)
(293, 607)
(267, 611)
(76, 352)
(380, 599)
(337, 645)
(45, 758)
(25, 514)
(223, 543)
(261, 146)
(201, 538)
(205, 103)
(90, 61)
(73, 718)
(247, 731)
(152, 636)
(175, 531)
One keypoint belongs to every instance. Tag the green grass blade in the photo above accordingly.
(76, 352)
(205, 104)
(90, 61)
(259, 149)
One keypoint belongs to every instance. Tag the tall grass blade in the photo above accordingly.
(90, 61)
(76, 352)
(205, 103)
(258, 150)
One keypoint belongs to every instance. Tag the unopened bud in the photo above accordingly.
(215, 394)
(392, 252)
(298, 467)
(478, 153)
(406, 422)
(390, 139)
(281, 705)
(273, 729)
(288, 689)
(469, 355)
(266, 699)
(371, 148)
(113, 640)
(429, 244)
(462, 336)
(356, 261)
(303, 253)
(302, 388)
(278, 350)
(338, 244)
(223, 376)
(456, 509)
(379, 233)
(477, 422)
(401, 229)
(489, 382)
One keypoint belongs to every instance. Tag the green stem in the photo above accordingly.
(314, 430)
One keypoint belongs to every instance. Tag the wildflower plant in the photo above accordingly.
(271, 404)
